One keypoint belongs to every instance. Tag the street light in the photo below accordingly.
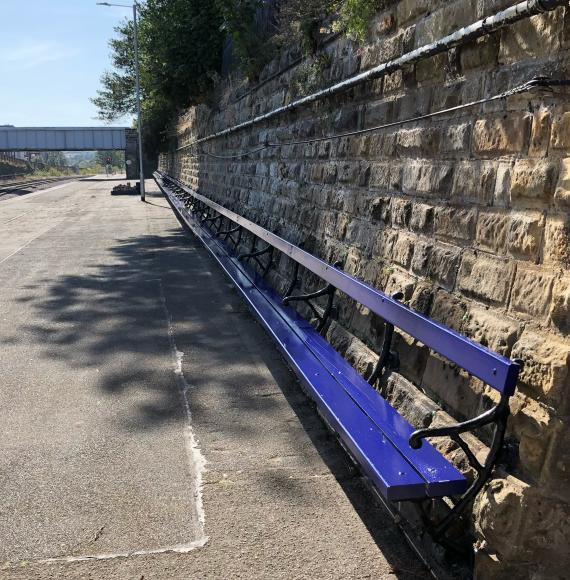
(135, 7)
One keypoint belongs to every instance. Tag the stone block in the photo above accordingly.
(449, 310)
(474, 181)
(525, 233)
(501, 195)
(540, 135)
(361, 323)
(346, 120)
(448, 18)
(533, 180)
(562, 193)
(384, 24)
(530, 38)
(533, 424)
(339, 338)
(393, 82)
(421, 257)
(348, 173)
(422, 298)
(398, 281)
(556, 470)
(557, 241)
(491, 329)
(483, 52)
(492, 229)
(412, 354)
(428, 178)
(410, 9)
(403, 249)
(561, 132)
(532, 292)
(384, 244)
(359, 146)
(499, 508)
(501, 136)
(485, 278)
(357, 233)
(421, 219)
(546, 369)
(418, 141)
(560, 309)
(431, 69)
(378, 113)
(385, 176)
(361, 357)
(456, 138)
(455, 223)
(410, 402)
(401, 211)
(443, 264)
(380, 209)
(526, 529)
(549, 520)
(460, 392)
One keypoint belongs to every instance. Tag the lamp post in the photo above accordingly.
(135, 7)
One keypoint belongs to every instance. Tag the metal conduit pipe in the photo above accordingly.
(469, 33)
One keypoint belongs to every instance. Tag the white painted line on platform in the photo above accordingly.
(195, 457)
(18, 216)
(29, 242)
(182, 549)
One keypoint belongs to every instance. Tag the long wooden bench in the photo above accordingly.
(394, 456)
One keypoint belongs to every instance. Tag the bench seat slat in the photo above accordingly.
(441, 476)
(370, 428)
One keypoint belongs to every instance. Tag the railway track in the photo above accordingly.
(14, 188)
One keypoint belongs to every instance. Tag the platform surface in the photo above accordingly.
(149, 427)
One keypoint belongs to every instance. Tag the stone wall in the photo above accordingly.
(467, 214)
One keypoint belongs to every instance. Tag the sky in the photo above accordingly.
(52, 54)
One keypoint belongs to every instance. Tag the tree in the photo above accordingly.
(180, 55)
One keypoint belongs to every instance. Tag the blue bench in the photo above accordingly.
(393, 455)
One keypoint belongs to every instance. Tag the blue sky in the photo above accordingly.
(52, 53)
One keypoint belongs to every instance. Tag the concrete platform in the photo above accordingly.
(149, 427)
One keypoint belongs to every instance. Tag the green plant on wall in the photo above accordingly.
(305, 21)
(354, 17)
(238, 18)
(310, 75)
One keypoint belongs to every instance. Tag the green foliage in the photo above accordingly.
(309, 76)
(300, 22)
(305, 21)
(51, 159)
(354, 17)
(181, 48)
(239, 23)
(180, 43)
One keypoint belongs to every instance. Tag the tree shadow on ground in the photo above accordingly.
(154, 293)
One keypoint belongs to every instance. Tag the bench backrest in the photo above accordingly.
(492, 368)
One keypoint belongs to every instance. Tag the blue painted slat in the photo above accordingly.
(395, 478)
(439, 477)
(491, 367)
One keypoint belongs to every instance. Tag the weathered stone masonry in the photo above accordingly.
(468, 215)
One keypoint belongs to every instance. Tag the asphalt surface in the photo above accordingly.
(149, 428)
